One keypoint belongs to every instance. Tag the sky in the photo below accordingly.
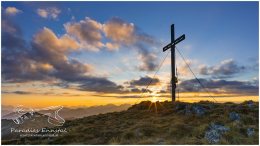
(96, 53)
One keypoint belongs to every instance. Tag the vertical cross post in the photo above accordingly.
(172, 47)
(173, 62)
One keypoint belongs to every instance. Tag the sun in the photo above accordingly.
(154, 99)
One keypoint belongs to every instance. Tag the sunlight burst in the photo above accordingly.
(154, 99)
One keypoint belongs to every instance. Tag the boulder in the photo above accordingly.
(213, 136)
(214, 133)
(250, 132)
(198, 110)
(220, 128)
(233, 116)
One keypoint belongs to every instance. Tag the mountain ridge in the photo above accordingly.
(69, 113)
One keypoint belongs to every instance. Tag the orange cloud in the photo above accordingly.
(50, 40)
(87, 32)
(52, 12)
(119, 31)
(12, 11)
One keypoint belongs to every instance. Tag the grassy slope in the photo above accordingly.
(138, 125)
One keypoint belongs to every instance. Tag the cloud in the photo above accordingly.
(43, 13)
(220, 86)
(254, 64)
(112, 46)
(12, 11)
(121, 96)
(98, 84)
(48, 48)
(87, 32)
(125, 33)
(16, 92)
(7, 27)
(144, 81)
(227, 68)
(182, 69)
(46, 59)
(51, 12)
(120, 31)
(11, 32)
(142, 90)
(89, 83)
(148, 59)
(17, 64)
(124, 96)
(163, 91)
(50, 41)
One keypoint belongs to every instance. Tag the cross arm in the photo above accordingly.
(179, 39)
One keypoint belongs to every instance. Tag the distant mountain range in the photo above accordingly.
(71, 113)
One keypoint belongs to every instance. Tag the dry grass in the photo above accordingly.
(138, 125)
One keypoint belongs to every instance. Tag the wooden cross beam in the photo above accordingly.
(172, 46)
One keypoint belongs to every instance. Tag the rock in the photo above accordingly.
(213, 136)
(215, 132)
(233, 116)
(219, 128)
(198, 110)
(250, 132)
